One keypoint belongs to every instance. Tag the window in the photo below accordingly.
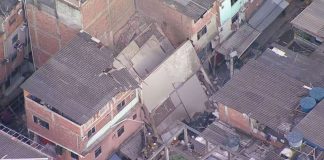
(121, 105)
(74, 156)
(120, 131)
(97, 152)
(41, 122)
(201, 32)
(233, 2)
(91, 132)
(14, 39)
(134, 116)
(234, 18)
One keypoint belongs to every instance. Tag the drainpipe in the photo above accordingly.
(232, 55)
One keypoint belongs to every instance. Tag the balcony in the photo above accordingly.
(40, 102)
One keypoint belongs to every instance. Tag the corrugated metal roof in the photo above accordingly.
(133, 146)
(311, 125)
(311, 19)
(73, 80)
(240, 40)
(267, 13)
(191, 8)
(264, 93)
(298, 66)
(12, 149)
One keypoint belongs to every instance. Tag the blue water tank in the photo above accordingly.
(317, 93)
(295, 138)
(307, 104)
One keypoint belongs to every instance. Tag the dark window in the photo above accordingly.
(91, 132)
(120, 131)
(234, 18)
(41, 122)
(74, 156)
(14, 39)
(201, 32)
(121, 105)
(134, 116)
(7, 83)
(97, 152)
(233, 2)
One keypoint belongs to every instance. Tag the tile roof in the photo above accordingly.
(73, 80)
(298, 66)
(311, 127)
(191, 8)
(311, 18)
(13, 149)
(133, 146)
(263, 93)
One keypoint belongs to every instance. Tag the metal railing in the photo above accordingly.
(23, 139)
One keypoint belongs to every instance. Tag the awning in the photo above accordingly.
(267, 13)
(241, 40)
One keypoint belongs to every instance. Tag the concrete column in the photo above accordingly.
(232, 55)
(186, 139)
(167, 155)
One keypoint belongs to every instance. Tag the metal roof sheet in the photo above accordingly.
(311, 126)
(13, 149)
(303, 68)
(263, 93)
(73, 81)
(311, 19)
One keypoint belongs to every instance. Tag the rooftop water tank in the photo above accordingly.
(317, 93)
(295, 139)
(307, 104)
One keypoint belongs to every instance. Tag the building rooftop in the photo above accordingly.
(263, 93)
(311, 128)
(11, 148)
(194, 9)
(307, 69)
(6, 6)
(311, 19)
(79, 80)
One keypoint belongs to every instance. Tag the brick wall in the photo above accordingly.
(175, 25)
(60, 130)
(48, 35)
(112, 142)
(102, 18)
(234, 118)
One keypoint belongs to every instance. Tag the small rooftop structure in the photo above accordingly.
(311, 19)
(79, 80)
(12, 148)
(312, 127)
(308, 69)
(263, 93)
(194, 9)
(6, 6)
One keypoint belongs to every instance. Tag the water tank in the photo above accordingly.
(317, 93)
(233, 142)
(307, 104)
(295, 139)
